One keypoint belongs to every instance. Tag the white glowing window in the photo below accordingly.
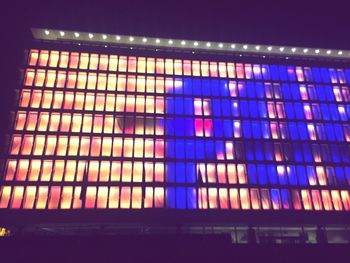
(274, 130)
(237, 129)
(307, 112)
(337, 93)
(202, 107)
(271, 110)
(232, 85)
(312, 131)
(299, 73)
(303, 92)
(342, 112)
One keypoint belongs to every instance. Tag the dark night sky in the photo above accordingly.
(302, 23)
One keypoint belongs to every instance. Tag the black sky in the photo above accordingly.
(324, 24)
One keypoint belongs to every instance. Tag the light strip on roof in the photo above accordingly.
(110, 39)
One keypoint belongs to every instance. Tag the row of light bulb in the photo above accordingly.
(208, 44)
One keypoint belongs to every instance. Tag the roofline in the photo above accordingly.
(185, 44)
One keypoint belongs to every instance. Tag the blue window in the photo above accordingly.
(266, 72)
(188, 106)
(291, 74)
(272, 174)
(256, 129)
(295, 91)
(307, 152)
(338, 132)
(180, 172)
(252, 174)
(286, 91)
(242, 89)
(224, 90)
(196, 87)
(191, 172)
(329, 93)
(261, 171)
(286, 200)
(200, 149)
(321, 92)
(262, 109)
(274, 72)
(189, 151)
(218, 128)
(228, 128)
(283, 73)
(244, 108)
(214, 84)
(293, 131)
(289, 110)
(330, 132)
(299, 112)
(169, 124)
(340, 176)
(191, 198)
(298, 153)
(209, 150)
(180, 149)
(170, 105)
(247, 133)
(347, 74)
(181, 197)
(335, 153)
(179, 126)
(235, 108)
(265, 129)
(170, 172)
(205, 87)
(220, 148)
(334, 112)
(302, 131)
(259, 153)
(179, 105)
(275, 197)
(259, 88)
(292, 175)
(316, 74)
(189, 126)
(216, 107)
(253, 107)
(301, 175)
(226, 111)
(170, 194)
(249, 148)
(325, 112)
(344, 153)
(325, 75)
(268, 151)
(347, 174)
(187, 86)
(250, 89)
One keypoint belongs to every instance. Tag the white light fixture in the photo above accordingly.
(144, 40)
(208, 44)
(104, 36)
(340, 52)
(287, 57)
(329, 52)
(221, 45)
(47, 32)
(305, 50)
(157, 40)
(245, 46)
(317, 51)
(76, 34)
(79, 44)
(294, 49)
(233, 46)
(193, 52)
(91, 35)
(195, 43)
(183, 42)
(117, 37)
(269, 48)
(170, 42)
(131, 39)
(257, 47)
(105, 46)
(281, 49)
(61, 33)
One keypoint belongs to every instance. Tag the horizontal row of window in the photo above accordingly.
(35, 170)
(257, 151)
(92, 101)
(187, 86)
(125, 197)
(75, 60)
(52, 145)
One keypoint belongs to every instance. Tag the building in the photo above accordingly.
(135, 134)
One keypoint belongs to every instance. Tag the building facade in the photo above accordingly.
(207, 140)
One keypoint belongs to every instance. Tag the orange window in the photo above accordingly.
(29, 197)
(150, 84)
(62, 145)
(140, 104)
(27, 144)
(29, 77)
(20, 120)
(113, 197)
(159, 197)
(221, 172)
(61, 79)
(101, 82)
(121, 83)
(231, 174)
(242, 174)
(122, 64)
(117, 147)
(54, 121)
(150, 65)
(326, 200)
(81, 171)
(100, 102)
(131, 64)
(131, 83)
(126, 171)
(112, 82)
(39, 145)
(222, 70)
(128, 148)
(245, 200)
(254, 195)
(136, 197)
(108, 124)
(47, 99)
(265, 199)
(92, 79)
(104, 171)
(63, 59)
(36, 98)
(50, 145)
(84, 61)
(137, 172)
(46, 170)
(336, 200)
(234, 198)
(213, 198)
(98, 123)
(169, 68)
(110, 102)
(316, 199)
(33, 57)
(22, 169)
(89, 101)
(231, 70)
(25, 98)
(148, 202)
(39, 77)
(84, 146)
(149, 148)
(79, 101)
(223, 198)
(15, 144)
(213, 66)
(93, 171)
(58, 99)
(196, 68)
(17, 197)
(115, 171)
(42, 197)
(102, 197)
(10, 170)
(34, 170)
(68, 100)
(306, 198)
(211, 173)
(5, 193)
(125, 197)
(93, 61)
(138, 148)
(82, 78)
(178, 67)
(106, 146)
(130, 103)
(159, 85)
(73, 60)
(77, 202)
(159, 172)
(50, 79)
(203, 201)
(66, 201)
(72, 79)
(205, 68)
(160, 66)
(43, 58)
(159, 148)
(148, 172)
(113, 63)
(187, 68)
(73, 146)
(103, 65)
(54, 197)
(96, 146)
(69, 172)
